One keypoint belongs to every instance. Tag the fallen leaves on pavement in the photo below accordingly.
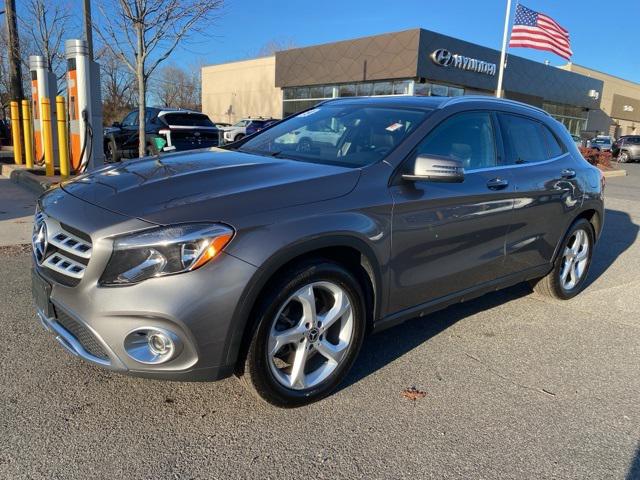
(413, 394)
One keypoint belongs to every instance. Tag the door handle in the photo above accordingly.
(497, 183)
(568, 173)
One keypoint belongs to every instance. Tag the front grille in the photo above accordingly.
(86, 338)
(66, 252)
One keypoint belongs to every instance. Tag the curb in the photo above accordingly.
(19, 175)
(614, 173)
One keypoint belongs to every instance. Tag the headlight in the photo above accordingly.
(163, 251)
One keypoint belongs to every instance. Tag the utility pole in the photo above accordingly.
(15, 72)
(88, 29)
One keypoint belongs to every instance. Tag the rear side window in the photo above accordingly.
(554, 147)
(188, 120)
(467, 137)
(523, 139)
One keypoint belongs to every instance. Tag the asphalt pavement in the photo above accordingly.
(517, 386)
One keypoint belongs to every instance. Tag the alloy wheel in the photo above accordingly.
(310, 335)
(574, 260)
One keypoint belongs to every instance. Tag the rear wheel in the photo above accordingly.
(310, 330)
(111, 152)
(238, 137)
(571, 267)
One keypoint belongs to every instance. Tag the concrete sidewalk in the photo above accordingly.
(16, 213)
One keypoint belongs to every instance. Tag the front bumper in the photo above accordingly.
(92, 322)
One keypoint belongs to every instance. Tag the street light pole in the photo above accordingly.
(15, 71)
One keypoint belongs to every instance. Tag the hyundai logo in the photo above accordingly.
(445, 58)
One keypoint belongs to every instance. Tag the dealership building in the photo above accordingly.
(410, 62)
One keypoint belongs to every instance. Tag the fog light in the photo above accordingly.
(160, 344)
(152, 345)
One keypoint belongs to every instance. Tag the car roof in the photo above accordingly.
(409, 101)
(165, 111)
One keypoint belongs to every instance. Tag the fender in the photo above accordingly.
(236, 338)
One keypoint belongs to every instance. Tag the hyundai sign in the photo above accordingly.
(445, 58)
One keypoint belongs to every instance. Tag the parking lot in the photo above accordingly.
(516, 387)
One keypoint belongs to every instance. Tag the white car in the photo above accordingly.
(312, 136)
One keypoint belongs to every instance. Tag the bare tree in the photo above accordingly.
(178, 87)
(144, 33)
(118, 87)
(46, 23)
(275, 45)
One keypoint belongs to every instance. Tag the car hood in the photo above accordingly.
(209, 185)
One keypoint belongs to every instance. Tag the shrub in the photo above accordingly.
(596, 157)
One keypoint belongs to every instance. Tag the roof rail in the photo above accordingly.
(488, 99)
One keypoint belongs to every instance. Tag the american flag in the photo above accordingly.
(536, 30)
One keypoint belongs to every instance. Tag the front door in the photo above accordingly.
(450, 237)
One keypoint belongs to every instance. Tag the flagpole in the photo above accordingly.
(503, 53)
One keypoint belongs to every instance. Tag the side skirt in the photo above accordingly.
(459, 297)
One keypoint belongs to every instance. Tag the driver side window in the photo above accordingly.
(130, 120)
(467, 137)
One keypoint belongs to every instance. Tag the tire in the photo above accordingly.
(238, 137)
(272, 364)
(564, 284)
(623, 157)
(151, 150)
(111, 153)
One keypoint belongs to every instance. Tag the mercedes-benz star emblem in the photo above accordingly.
(39, 240)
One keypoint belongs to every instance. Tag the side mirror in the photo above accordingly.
(435, 168)
(116, 124)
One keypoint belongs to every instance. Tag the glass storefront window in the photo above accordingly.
(383, 88)
(456, 92)
(316, 92)
(301, 92)
(348, 90)
(401, 87)
(423, 89)
(287, 93)
(328, 91)
(365, 89)
(439, 90)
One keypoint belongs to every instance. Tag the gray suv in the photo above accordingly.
(271, 259)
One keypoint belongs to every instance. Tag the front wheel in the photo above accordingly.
(623, 157)
(310, 330)
(571, 267)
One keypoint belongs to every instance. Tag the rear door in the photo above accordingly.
(547, 190)
(450, 237)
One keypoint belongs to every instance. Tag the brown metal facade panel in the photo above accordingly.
(625, 108)
(380, 57)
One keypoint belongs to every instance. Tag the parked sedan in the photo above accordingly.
(274, 264)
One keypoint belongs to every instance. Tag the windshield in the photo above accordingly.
(348, 135)
(241, 123)
(601, 140)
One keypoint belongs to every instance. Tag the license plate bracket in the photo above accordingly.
(41, 293)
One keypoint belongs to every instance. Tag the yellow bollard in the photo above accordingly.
(27, 131)
(63, 139)
(15, 133)
(46, 133)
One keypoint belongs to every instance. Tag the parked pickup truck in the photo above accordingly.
(167, 129)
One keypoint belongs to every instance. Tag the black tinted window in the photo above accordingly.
(467, 137)
(523, 138)
(188, 119)
(554, 148)
(130, 119)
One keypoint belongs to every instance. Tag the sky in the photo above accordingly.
(604, 35)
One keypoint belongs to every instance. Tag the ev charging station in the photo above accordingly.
(84, 107)
(43, 85)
